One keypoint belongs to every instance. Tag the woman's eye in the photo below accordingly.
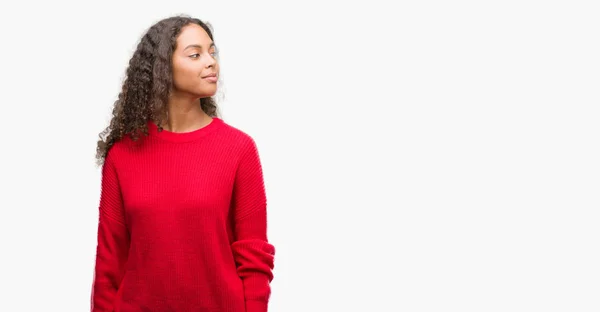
(197, 55)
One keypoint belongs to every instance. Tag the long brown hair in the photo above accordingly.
(147, 84)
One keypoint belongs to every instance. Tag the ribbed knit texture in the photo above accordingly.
(183, 224)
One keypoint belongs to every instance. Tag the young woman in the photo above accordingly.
(182, 211)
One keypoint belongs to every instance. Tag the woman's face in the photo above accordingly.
(194, 60)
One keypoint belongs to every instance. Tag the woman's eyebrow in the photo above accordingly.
(198, 46)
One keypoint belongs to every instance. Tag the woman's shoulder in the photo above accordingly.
(124, 147)
(236, 134)
(115, 151)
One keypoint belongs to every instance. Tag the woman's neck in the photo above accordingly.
(185, 116)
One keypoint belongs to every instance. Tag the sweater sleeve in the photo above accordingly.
(112, 241)
(253, 254)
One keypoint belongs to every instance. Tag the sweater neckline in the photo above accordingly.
(183, 136)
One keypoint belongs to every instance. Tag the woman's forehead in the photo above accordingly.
(193, 35)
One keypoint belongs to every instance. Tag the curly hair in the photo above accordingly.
(148, 83)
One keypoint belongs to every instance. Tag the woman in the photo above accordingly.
(182, 211)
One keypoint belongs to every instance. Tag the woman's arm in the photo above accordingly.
(253, 254)
(113, 241)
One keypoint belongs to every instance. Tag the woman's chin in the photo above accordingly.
(206, 93)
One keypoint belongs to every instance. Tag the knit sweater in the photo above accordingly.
(183, 224)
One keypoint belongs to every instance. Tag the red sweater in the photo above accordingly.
(183, 224)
